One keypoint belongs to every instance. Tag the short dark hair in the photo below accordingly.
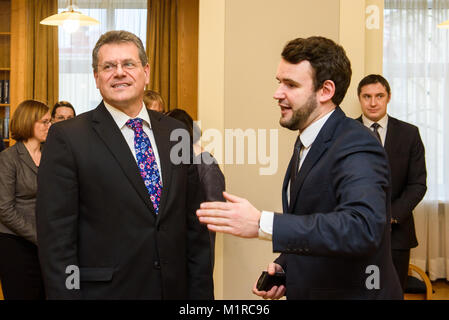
(184, 117)
(25, 116)
(372, 79)
(118, 36)
(62, 103)
(328, 61)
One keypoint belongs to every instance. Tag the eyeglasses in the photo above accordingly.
(109, 67)
(45, 122)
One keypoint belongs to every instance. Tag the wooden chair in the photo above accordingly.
(1, 292)
(427, 295)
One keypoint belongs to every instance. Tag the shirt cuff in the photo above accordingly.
(266, 225)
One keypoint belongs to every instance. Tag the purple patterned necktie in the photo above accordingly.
(146, 162)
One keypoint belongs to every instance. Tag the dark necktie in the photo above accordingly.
(295, 164)
(146, 162)
(375, 127)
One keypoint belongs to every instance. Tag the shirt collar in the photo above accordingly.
(382, 122)
(311, 132)
(121, 118)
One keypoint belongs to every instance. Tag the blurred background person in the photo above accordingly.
(153, 101)
(406, 156)
(211, 177)
(20, 272)
(2, 145)
(62, 110)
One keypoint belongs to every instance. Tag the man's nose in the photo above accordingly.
(279, 94)
(119, 69)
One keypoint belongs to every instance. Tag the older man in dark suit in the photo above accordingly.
(334, 234)
(405, 152)
(111, 204)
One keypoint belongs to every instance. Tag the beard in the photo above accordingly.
(301, 115)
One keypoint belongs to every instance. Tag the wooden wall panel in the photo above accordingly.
(188, 17)
(18, 52)
(5, 15)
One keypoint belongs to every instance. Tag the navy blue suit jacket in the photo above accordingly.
(336, 227)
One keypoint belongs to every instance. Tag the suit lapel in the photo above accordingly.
(110, 134)
(163, 143)
(390, 141)
(26, 157)
(285, 205)
(319, 146)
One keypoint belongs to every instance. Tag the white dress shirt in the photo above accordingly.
(121, 118)
(383, 123)
(307, 137)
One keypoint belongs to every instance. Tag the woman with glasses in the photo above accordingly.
(20, 273)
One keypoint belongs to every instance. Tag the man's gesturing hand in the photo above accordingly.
(237, 216)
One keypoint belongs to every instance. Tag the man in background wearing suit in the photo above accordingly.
(334, 234)
(110, 200)
(2, 145)
(405, 151)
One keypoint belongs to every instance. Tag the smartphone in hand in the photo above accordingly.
(267, 281)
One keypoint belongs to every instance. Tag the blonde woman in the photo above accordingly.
(154, 101)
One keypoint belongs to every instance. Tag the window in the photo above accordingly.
(416, 63)
(76, 81)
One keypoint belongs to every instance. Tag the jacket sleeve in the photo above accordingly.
(213, 181)
(415, 188)
(9, 216)
(198, 247)
(356, 191)
(57, 215)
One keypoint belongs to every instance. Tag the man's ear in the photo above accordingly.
(96, 78)
(389, 98)
(147, 74)
(327, 91)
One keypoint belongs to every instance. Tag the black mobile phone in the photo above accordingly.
(267, 281)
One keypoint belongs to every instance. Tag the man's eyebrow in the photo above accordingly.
(119, 61)
(287, 80)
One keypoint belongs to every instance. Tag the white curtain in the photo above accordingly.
(76, 81)
(416, 64)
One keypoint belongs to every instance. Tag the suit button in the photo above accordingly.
(156, 265)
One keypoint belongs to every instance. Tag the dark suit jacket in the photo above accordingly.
(18, 186)
(2, 144)
(336, 226)
(93, 211)
(213, 184)
(405, 152)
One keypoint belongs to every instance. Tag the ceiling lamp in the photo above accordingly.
(69, 19)
(444, 25)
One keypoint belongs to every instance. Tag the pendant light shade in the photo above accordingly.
(60, 18)
(69, 19)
